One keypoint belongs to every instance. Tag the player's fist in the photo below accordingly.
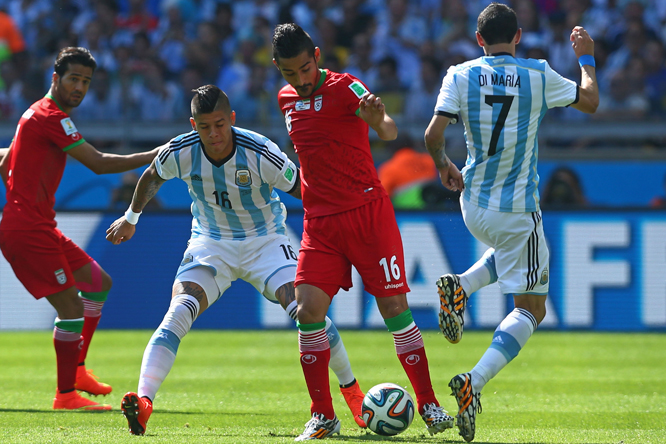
(581, 42)
(120, 231)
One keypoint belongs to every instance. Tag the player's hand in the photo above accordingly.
(581, 42)
(371, 109)
(451, 177)
(120, 231)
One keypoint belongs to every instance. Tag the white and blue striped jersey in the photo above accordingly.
(501, 101)
(234, 198)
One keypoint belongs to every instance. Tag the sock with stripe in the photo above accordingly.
(482, 273)
(92, 313)
(411, 353)
(315, 353)
(160, 354)
(66, 341)
(339, 361)
(509, 338)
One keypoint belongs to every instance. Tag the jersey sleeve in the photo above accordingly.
(165, 163)
(60, 130)
(277, 169)
(448, 100)
(559, 91)
(351, 91)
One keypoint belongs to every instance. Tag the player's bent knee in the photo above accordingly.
(198, 282)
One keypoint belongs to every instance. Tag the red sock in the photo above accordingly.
(67, 347)
(412, 356)
(315, 354)
(89, 327)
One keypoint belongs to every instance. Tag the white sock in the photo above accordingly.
(339, 361)
(509, 338)
(482, 273)
(160, 354)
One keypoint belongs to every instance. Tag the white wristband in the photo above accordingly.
(132, 217)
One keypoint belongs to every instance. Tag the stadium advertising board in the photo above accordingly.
(606, 273)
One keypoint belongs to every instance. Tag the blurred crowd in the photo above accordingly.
(151, 53)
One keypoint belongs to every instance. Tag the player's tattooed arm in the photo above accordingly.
(435, 143)
(147, 187)
(286, 294)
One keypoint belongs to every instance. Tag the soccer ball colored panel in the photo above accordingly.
(388, 409)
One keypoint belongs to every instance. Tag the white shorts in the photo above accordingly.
(266, 262)
(521, 252)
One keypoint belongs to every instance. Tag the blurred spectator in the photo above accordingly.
(399, 34)
(103, 102)
(655, 78)
(405, 172)
(422, 96)
(389, 86)
(359, 64)
(563, 190)
(621, 100)
(354, 21)
(659, 201)
(138, 18)
(153, 97)
(205, 53)
(534, 33)
(121, 196)
(11, 39)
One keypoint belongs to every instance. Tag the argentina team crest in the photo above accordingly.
(544, 277)
(243, 178)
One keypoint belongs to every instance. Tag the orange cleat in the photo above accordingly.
(354, 398)
(87, 382)
(74, 401)
(137, 411)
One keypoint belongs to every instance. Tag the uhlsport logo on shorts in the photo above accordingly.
(61, 276)
(309, 359)
(544, 277)
(412, 359)
(243, 178)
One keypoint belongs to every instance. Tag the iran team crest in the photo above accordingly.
(318, 102)
(61, 276)
(243, 178)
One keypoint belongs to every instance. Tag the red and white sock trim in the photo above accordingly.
(312, 341)
(408, 339)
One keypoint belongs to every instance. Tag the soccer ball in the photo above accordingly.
(388, 409)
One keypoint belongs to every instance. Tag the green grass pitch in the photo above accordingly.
(247, 387)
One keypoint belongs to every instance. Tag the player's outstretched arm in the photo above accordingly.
(150, 182)
(449, 173)
(583, 46)
(105, 163)
(373, 112)
(4, 158)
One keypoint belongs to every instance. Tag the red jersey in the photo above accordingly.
(36, 163)
(337, 170)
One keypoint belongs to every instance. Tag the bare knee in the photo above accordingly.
(535, 304)
(313, 304)
(391, 306)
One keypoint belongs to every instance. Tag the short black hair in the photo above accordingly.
(207, 99)
(73, 56)
(290, 40)
(497, 24)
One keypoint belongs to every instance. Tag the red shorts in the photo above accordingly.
(366, 237)
(43, 260)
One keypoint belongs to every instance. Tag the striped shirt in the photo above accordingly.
(235, 198)
(501, 101)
